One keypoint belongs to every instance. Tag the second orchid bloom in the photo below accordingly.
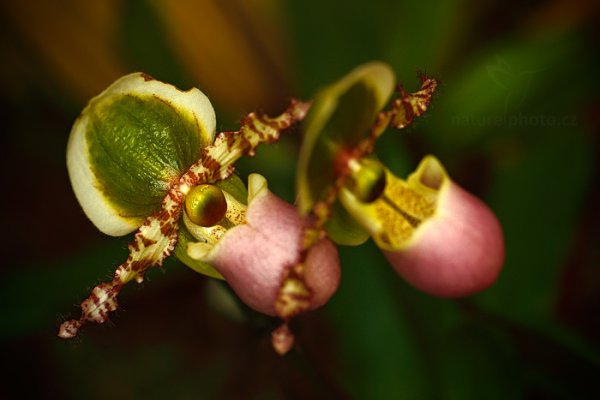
(437, 236)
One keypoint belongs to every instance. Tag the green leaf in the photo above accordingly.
(537, 199)
(504, 89)
(380, 344)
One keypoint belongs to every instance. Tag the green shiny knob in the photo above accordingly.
(367, 180)
(205, 205)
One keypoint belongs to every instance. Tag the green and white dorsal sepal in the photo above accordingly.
(340, 119)
(131, 144)
(158, 232)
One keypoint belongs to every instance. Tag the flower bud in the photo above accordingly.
(256, 256)
(439, 238)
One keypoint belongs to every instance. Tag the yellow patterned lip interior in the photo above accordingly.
(402, 207)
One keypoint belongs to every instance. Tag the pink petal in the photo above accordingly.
(254, 257)
(457, 252)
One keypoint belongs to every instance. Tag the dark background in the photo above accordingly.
(516, 122)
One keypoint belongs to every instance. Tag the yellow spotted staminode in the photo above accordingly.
(136, 152)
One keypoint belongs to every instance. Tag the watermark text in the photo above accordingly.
(515, 120)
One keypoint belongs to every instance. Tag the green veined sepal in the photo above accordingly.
(130, 144)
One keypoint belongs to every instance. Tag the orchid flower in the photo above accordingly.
(437, 236)
(143, 156)
(254, 256)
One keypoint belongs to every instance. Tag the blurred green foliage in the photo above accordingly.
(515, 122)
